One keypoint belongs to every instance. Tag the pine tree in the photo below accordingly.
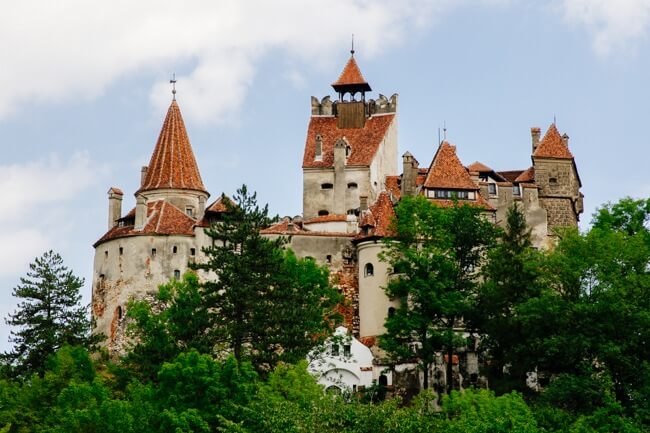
(48, 317)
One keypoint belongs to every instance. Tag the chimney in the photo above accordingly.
(114, 206)
(140, 212)
(409, 174)
(340, 186)
(565, 140)
(535, 133)
(363, 203)
(143, 174)
(201, 207)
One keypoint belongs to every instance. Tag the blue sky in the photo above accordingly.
(85, 87)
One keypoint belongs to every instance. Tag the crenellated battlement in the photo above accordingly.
(327, 107)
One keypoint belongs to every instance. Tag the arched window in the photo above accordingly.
(369, 270)
(348, 151)
(319, 148)
(323, 212)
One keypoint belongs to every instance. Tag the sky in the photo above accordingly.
(84, 88)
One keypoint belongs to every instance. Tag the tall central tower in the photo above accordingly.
(351, 147)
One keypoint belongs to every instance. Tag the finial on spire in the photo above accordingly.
(173, 83)
(352, 50)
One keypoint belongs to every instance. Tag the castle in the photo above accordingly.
(351, 183)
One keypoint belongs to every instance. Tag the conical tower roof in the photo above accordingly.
(351, 79)
(173, 164)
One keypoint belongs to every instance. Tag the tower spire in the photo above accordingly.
(173, 83)
(352, 49)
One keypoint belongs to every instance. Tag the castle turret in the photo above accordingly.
(114, 206)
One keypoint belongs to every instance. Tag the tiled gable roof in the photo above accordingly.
(363, 142)
(510, 175)
(480, 167)
(446, 170)
(163, 218)
(378, 218)
(351, 75)
(552, 146)
(219, 205)
(526, 176)
(172, 163)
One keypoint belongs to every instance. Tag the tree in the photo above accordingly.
(437, 251)
(510, 277)
(264, 304)
(49, 315)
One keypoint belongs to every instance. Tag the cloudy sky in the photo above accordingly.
(84, 87)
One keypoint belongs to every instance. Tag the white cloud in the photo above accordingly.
(73, 49)
(40, 193)
(615, 24)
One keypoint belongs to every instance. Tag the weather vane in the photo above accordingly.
(173, 83)
(352, 50)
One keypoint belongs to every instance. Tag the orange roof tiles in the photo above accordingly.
(115, 190)
(363, 142)
(446, 170)
(527, 175)
(480, 167)
(552, 145)
(326, 219)
(173, 164)
(351, 75)
(393, 185)
(163, 218)
(378, 218)
(219, 205)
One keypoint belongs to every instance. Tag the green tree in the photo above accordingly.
(48, 317)
(437, 252)
(264, 304)
(510, 277)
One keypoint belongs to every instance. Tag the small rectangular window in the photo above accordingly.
(335, 350)
(516, 190)
(153, 252)
(174, 249)
(177, 274)
(189, 211)
(106, 254)
(492, 188)
(192, 251)
(121, 250)
(346, 350)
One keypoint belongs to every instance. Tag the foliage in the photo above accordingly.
(48, 317)
(436, 253)
(510, 277)
(264, 305)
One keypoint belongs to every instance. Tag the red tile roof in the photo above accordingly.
(219, 205)
(552, 145)
(480, 167)
(351, 75)
(378, 218)
(527, 175)
(510, 175)
(115, 190)
(363, 142)
(163, 218)
(393, 185)
(446, 170)
(326, 219)
(173, 164)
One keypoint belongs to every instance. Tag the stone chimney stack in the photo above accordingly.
(340, 149)
(114, 206)
(201, 207)
(140, 212)
(409, 174)
(143, 174)
(363, 203)
(535, 134)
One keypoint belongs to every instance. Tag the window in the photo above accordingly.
(174, 249)
(451, 194)
(370, 270)
(352, 185)
(346, 350)
(189, 211)
(328, 258)
(121, 250)
(102, 277)
(106, 254)
(323, 212)
(319, 148)
(119, 313)
(353, 212)
(192, 251)
(326, 186)
(348, 151)
(552, 179)
(153, 252)
(492, 188)
(391, 311)
(177, 274)
(335, 350)
(516, 190)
